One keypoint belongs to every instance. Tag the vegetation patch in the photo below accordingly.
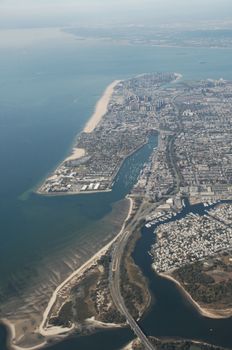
(134, 286)
(209, 282)
(169, 344)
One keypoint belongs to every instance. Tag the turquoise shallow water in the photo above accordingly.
(47, 95)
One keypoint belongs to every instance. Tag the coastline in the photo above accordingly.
(172, 341)
(77, 153)
(58, 330)
(63, 194)
(178, 77)
(210, 313)
(54, 331)
(58, 194)
(129, 346)
(11, 336)
(101, 107)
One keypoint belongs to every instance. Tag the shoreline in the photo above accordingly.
(178, 77)
(101, 107)
(54, 331)
(58, 194)
(80, 270)
(174, 340)
(11, 336)
(210, 313)
(75, 153)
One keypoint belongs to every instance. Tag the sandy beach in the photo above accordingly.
(102, 325)
(100, 110)
(12, 336)
(76, 154)
(215, 314)
(178, 77)
(51, 331)
(101, 107)
(54, 331)
(129, 346)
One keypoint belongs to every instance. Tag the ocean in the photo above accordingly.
(48, 92)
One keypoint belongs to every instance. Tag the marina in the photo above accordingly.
(172, 309)
(69, 224)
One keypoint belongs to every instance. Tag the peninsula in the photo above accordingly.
(109, 137)
(192, 163)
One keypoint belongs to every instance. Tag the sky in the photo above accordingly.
(29, 13)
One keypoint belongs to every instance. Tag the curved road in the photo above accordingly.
(114, 282)
(114, 276)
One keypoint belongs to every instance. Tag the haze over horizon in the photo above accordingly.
(39, 13)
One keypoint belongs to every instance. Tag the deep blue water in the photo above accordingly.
(47, 94)
(3, 338)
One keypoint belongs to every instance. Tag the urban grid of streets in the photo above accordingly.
(193, 159)
(214, 235)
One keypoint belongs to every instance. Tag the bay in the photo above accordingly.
(47, 93)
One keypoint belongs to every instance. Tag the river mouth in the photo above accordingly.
(172, 315)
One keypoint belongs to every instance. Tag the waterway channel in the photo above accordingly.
(96, 206)
(171, 314)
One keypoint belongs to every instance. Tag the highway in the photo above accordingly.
(114, 282)
(120, 244)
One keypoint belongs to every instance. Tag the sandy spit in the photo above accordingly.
(59, 330)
